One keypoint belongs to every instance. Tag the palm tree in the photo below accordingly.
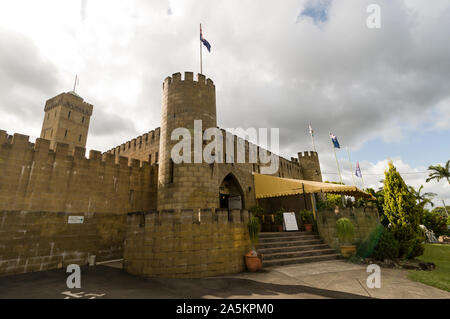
(439, 172)
(422, 198)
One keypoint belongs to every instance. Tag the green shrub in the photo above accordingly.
(306, 217)
(387, 247)
(279, 217)
(403, 213)
(253, 231)
(435, 221)
(345, 230)
(256, 211)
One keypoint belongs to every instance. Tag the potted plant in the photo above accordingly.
(346, 234)
(279, 218)
(253, 260)
(258, 212)
(307, 219)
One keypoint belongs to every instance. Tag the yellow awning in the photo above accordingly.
(267, 186)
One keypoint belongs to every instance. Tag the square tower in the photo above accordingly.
(66, 120)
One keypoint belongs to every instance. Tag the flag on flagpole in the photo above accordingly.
(358, 170)
(335, 141)
(311, 131)
(204, 41)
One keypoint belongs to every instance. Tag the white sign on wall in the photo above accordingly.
(290, 222)
(76, 220)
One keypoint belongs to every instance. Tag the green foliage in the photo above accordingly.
(380, 245)
(331, 201)
(279, 216)
(436, 222)
(439, 172)
(345, 230)
(253, 231)
(402, 213)
(256, 211)
(387, 246)
(307, 217)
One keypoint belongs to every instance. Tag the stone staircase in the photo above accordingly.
(285, 248)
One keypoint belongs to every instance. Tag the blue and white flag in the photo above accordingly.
(204, 41)
(358, 170)
(335, 141)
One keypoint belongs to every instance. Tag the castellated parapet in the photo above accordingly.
(36, 177)
(186, 243)
(186, 185)
(310, 165)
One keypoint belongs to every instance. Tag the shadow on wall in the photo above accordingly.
(364, 220)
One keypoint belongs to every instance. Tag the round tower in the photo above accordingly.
(310, 165)
(186, 185)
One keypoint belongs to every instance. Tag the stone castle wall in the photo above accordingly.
(186, 243)
(41, 187)
(364, 220)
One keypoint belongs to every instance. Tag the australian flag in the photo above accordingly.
(204, 41)
(335, 141)
(358, 170)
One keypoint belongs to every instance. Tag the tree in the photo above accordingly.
(439, 172)
(403, 214)
(422, 198)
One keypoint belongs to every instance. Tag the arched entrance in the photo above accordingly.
(231, 195)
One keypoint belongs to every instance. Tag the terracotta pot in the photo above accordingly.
(308, 227)
(348, 250)
(253, 263)
(280, 228)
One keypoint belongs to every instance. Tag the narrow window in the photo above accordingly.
(150, 159)
(131, 197)
(82, 119)
(156, 158)
(171, 167)
(79, 138)
(65, 133)
(69, 115)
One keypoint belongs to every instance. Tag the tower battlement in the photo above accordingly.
(307, 154)
(188, 78)
(70, 100)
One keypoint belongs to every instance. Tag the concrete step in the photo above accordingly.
(282, 244)
(298, 260)
(284, 249)
(285, 234)
(296, 254)
(288, 238)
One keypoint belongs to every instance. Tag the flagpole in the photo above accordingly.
(351, 166)
(75, 83)
(312, 137)
(201, 62)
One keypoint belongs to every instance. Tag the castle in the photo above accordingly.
(136, 202)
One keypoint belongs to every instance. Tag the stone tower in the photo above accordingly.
(66, 120)
(310, 165)
(186, 185)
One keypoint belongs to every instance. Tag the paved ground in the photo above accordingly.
(330, 279)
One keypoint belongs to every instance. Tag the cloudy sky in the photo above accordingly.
(384, 92)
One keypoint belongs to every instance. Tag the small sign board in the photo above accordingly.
(76, 220)
(290, 222)
(235, 202)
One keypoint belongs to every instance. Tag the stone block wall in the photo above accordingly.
(36, 241)
(41, 187)
(364, 220)
(186, 243)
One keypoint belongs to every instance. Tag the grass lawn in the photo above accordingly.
(440, 277)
